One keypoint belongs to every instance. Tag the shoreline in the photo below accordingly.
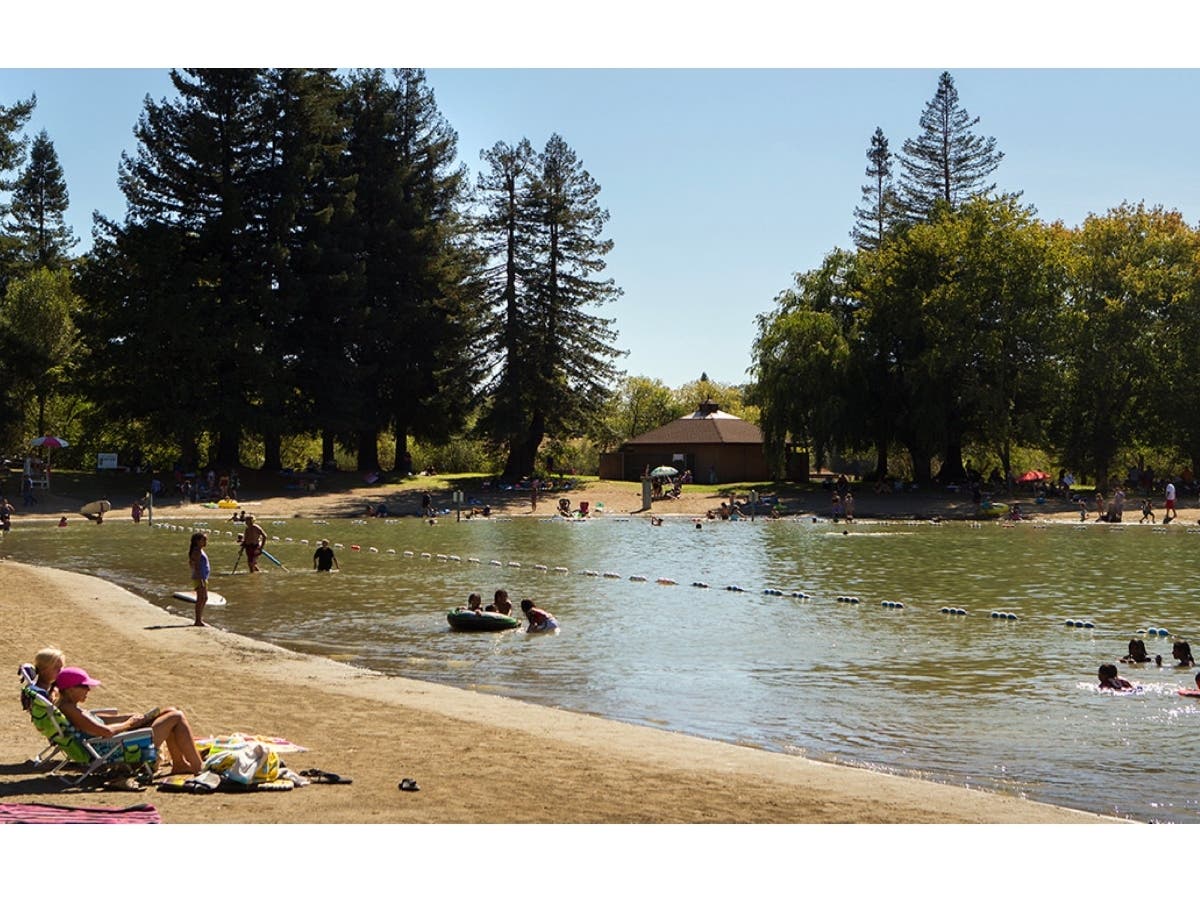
(525, 763)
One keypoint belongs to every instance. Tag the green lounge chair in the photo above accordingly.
(131, 753)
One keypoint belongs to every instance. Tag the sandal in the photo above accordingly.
(320, 777)
(408, 784)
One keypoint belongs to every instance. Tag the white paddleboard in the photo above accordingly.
(214, 599)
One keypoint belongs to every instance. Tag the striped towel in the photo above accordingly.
(48, 814)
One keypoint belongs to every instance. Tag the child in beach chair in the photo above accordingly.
(130, 752)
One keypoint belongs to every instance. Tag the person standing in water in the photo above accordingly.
(539, 619)
(200, 572)
(324, 559)
(253, 541)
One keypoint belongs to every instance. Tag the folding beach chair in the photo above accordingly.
(131, 752)
(28, 676)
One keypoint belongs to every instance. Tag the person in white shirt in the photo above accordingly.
(1170, 503)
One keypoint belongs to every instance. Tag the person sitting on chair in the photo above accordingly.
(169, 726)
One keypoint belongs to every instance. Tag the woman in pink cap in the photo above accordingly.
(170, 725)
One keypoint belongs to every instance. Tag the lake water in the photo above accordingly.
(996, 703)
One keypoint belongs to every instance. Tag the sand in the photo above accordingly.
(489, 763)
(477, 758)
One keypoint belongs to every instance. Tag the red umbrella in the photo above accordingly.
(49, 440)
(1033, 475)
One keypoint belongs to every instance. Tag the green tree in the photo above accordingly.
(506, 238)
(145, 289)
(564, 349)
(638, 405)
(877, 214)
(39, 203)
(417, 310)
(1131, 270)
(12, 155)
(305, 199)
(39, 334)
(800, 364)
(946, 162)
(201, 166)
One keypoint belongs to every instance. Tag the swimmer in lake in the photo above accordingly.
(1182, 651)
(1111, 681)
(1137, 652)
(539, 619)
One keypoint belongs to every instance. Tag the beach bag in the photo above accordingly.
(251, 764)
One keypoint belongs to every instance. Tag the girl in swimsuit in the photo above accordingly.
(539, 619)
(200, 572)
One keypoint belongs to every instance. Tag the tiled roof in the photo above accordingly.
(713, 428)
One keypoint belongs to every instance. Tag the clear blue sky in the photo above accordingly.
(721, 183)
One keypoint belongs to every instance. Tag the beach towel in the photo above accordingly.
(238, 740)
(49, 814)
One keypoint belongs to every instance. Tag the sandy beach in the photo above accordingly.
(477, 759)
(480, 760)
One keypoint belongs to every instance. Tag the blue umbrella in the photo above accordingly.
(664, 472)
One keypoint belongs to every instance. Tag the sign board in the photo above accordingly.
(106, 460)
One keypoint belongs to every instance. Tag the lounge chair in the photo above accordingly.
(130, 753)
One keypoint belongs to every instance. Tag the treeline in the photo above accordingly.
(303, 253)
(962, 326)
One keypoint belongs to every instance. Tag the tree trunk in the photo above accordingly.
(952, 464)
(921, 466)
(368, 450)
(401, 434)
(189, 454)
(881, 460)
(272, 450)
(327, 458)
(228, 447)
(522, 452)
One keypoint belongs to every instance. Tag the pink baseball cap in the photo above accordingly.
(72, 676)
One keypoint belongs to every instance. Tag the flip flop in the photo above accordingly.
(320, 777)
(409, 785)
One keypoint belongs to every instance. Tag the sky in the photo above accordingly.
(729, 145)
(721, 183)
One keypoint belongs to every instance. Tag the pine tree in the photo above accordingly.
(305, 199)
(947, 162)
(880, 203)
(12, 154)
(414, 316)
(39, 203)
(565, 349)
(506, 234)
(201, 168)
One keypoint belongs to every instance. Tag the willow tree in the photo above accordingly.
(802, 364)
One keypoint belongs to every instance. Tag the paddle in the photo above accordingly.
(274, 560)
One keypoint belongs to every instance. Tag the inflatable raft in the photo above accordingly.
(462, 620)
